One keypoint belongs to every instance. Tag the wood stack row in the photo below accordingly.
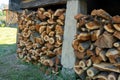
(40, 36)
(97, 46)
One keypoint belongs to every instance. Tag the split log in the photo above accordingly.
(79, 55)
(105, 41)
(102, 76)
(98, 50)
(83, 36)
(96, 59)
(112, 52)
(116, 19)
(113, 76)
(75, 44)
(109, 28)
(117, 34)
(102, 54)
(83, 46)
(92, 72)
(101, 13)
(89, 62)
(78, 70)
(92, 25)
(95, 34)
(117, 26)
(106, 67)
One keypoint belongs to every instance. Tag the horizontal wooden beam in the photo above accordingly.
(41, 3)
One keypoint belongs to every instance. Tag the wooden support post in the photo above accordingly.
(73, 8)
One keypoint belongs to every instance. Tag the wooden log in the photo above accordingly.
(51, 33)
(43, 34)
(62, 17)
(75, 44)
(83, 36)
(58, 30)
(112, 51)
(97, 50)
(58, 51)
(42, 28)
(59, 12)
(79, 55)
(51, 40)
(82, 64)
(101, 76)
(116, 44)
(78, 16)
(78, 70)
(109, 28)
(83, 75)
(89, 62)
(101, 13)
(106, 40)
(113, 76)
(47, 14)
(49, 46)
(116, 19)
(50, 54)
(92, 25)
(117, 34)
(46, 38)
(95, 34)
(51, 21)
(48, 29)
(96, 59)
(90, 53)
(83, 46)
(102, 55)
(107, 67)
(92, 72)
(58, 43)
(117, 26)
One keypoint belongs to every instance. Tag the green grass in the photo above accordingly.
(7, 40)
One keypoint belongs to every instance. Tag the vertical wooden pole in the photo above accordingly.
(73, 7)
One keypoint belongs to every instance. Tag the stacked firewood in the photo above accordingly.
(97, 46)
(40, 36)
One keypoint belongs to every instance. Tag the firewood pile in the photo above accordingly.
(40, 36)
(97, 46)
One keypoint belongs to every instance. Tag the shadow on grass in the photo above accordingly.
(6, 49)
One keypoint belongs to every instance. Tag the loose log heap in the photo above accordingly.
(40, 36)
(97, 46)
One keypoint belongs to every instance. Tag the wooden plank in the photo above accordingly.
(41, 3)
(73, 8)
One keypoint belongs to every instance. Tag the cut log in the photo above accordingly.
(89, 62)
(102, 54)
(117, 26)
(92, 72)
(113, 76)
(95, 34)
(117, 34)
(116, 44)
(47, 14)
(112, 52)
(42, 28)
(92, 25)
(82, 64)
(101, 76)
(78, 70)
(75, 44)
(59, 12)
(83, 46)
(101, 13)
(107, 67)
(90, 53)
(105, 41)
(58, 43)
(79, 55)
(51, 21)
(96, 59)
(109, 28)
(83, 36)
(116, 19)
(46, 38)
(58, 51)
(51, 33)
(98, 50)
(50, 54)
(51, 40)
(78, 16)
